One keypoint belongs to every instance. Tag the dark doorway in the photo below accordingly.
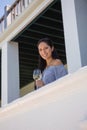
(48, 24)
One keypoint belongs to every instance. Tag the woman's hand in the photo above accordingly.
(39, 83)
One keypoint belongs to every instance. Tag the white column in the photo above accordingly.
(30, 1)
(26, 3)
(81, 15)
(10, 73)
(71, 35)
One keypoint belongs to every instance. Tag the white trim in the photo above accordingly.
(9, 73)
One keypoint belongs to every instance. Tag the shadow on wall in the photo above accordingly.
(66, 67)
(27, 89)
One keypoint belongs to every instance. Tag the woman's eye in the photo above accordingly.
(46, 48)
(40, 50)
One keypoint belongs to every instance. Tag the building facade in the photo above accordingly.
(32, 21)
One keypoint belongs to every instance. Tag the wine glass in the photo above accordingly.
(37, 75)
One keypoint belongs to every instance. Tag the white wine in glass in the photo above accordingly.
(36, 74)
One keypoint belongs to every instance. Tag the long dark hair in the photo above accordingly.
(41, 61)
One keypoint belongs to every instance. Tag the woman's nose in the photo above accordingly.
(44, 51)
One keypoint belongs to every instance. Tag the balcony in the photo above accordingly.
(12, 12)
(60, 105)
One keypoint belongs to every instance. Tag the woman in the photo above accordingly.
(49, 63)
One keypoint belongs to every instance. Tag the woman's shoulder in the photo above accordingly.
(57, 62)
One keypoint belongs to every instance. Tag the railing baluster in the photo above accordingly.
(12, 12)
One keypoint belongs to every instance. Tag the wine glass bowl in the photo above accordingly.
(36, 74)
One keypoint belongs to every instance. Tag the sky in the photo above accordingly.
(3, 3)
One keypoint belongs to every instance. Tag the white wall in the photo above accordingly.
(81, 15)
(61, 105)
(75, 30)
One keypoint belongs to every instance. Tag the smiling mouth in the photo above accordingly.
(44, 55)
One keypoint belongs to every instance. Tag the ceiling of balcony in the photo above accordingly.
(48, 24)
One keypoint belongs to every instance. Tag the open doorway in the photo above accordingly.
(47, 24)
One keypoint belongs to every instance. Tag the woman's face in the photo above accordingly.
(45, 50)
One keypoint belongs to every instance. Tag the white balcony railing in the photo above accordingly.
(11, 12)
(61, 105)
